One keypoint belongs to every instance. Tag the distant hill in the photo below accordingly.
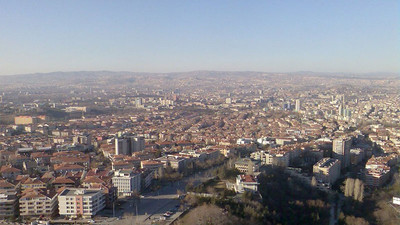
(90, 78)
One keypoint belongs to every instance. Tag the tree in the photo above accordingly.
(313, 181)
(354, 188)
(358, 190)
(157, 154)
(349, 187)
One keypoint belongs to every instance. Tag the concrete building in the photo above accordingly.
(126, 145)
(278, 158)
(377, 176)
(24, 120)
(246, 183)
(298, 105)
(127, 182)
(356, 156)
(8, 199)
(259, 156)
(341, 151)
(38, 203)
(327, 170)
(247, 166)
(8, 204)
(156, 166)
(84, 139)
(81, 202)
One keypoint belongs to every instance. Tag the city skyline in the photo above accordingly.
(174, 36)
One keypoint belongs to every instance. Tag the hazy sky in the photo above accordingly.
(165, 36)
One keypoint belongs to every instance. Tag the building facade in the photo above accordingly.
(38, 203)
(341, 151)
(127, 182)
(81, 202)
(327, 170)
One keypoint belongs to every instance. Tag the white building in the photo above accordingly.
(396, 200)
(81, 202)
(244, 141)
(298, 105)
(126, 182)
(266, 141)
(246, 183)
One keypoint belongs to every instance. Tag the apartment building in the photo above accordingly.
(127, 182)
(8, 204)
(376, 176)
(156, 166)
(247, 166)
(277, 158)
(35, 202)
(76, 202)
(327, 170)
(341, 151)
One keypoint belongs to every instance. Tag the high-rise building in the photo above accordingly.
(298, 105)
(126, 145)
(138, 102)
(341, 150)
(327, 170)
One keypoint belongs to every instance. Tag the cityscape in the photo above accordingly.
(200, 112)
(151, 148)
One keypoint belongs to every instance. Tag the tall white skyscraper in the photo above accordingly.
(298, 105)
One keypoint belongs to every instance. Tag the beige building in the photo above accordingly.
(277, 158)
(247, 166)
(327, 170)
(37, 203)
(23, 120)
(156, 166)
(83, 202)
(33, 183)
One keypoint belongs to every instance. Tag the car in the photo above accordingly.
(167, 214)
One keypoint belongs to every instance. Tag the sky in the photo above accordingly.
(172, 36)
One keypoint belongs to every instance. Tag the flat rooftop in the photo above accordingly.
(75, 192)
